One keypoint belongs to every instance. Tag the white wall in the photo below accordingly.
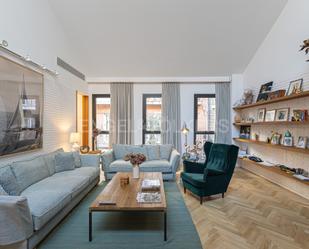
(31, 29)
(278, 59)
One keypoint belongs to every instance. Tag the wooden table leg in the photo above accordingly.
(90, 226)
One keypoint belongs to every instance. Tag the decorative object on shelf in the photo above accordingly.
(21, 108)
(299, 115)
(84, 149)
(246, 99)
(276, 94)
(282, 114)
(276, 138)
(261, 115)
(288, 139)
(237, 118)
(95, 134)
(4, 43)
(264, 91)
(136, 159)
(270, 116)
(185, 130)
(124, 181)
(305, 47)
(302, 142)
(295, 87)
(75, 140)
(256, 136)
(245, 132)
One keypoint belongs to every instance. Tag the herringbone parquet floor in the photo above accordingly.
(255, 213)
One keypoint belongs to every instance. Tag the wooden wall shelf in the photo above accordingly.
(294, 149)
(272, 123)
(277, 176)
(285, 98)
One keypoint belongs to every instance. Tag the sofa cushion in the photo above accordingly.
(45, 202)
(194, 179)
(165, 151)
(30, 171)
(120, 165)
(156, 166)
(153, 152)
(64, 161)
(50, 161)
(77, 160)
(121, 150)
(8, 181)
(2, 191)
(90, 173)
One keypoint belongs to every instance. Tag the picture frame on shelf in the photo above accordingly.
(282, 114)
(299, 115)
(295, 87)
(276, 94)
(270, 115)
(288, 141)
(302, 142)
(264, 91)
(261, 115)
(275, 139)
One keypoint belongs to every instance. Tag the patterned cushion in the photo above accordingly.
(77, 160)
(2, 191)
(153, 152)
(8, 181)
(50, 161)
(165, 151)
(64, 161)
(30, 171)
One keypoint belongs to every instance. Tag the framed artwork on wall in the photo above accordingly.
(261, 115)
(282, 114)
(270, 116)
(295, 87)
(21, 106)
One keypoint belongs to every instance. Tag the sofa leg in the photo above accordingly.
(201, 200)
(184, 190)
(223, 195)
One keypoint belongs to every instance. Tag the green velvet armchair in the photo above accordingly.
(213, 176)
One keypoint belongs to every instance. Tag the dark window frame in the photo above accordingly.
(145, 96)
(196, 132)
(94, 113)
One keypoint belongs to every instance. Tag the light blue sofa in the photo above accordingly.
(160, 158)
(35, 195)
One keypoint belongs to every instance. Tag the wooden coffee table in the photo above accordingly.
(125, 198)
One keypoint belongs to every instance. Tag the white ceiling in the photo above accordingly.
(161, 38)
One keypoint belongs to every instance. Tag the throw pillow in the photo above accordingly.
(8, 181)
(2, 191)
(77, 159)
(64, 161)
(50, 161)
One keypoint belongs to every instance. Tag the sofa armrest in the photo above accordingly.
(15, 220)
(175, 160)
(107, 159)
(90, 160)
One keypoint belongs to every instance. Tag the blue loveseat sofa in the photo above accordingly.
(35, 195)
(160, 158)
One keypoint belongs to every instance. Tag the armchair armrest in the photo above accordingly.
(107, 159)
(174, 160)
(193, 167)
(90, 160)
(15, 220)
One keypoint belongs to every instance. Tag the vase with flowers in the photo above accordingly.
(136, 159)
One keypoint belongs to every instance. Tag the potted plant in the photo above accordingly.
(136, 159)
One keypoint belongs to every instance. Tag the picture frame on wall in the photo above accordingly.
(270, 116)
(295, 87)
(261, 115)
(282, 114)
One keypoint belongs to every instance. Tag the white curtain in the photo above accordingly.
(121, 117)
(223, 113)
(170, 123)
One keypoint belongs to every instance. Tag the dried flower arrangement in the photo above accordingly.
(305, 47)
(135, 158)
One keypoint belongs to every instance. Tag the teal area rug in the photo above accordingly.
(119, 230)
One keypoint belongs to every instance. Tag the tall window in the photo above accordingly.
(152, 118)
(204, 117)
(101, 105)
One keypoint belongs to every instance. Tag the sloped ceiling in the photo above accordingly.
(161, 38)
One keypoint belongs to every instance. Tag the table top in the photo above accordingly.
(125, 197)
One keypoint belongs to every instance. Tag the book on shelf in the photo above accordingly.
(151, 185)
(148, 197)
